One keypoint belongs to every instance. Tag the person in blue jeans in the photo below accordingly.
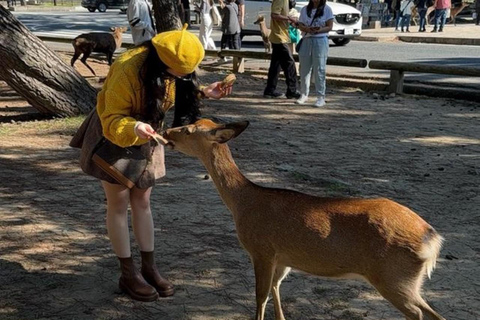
(315, 21)
(422, 6)
(406, 11)
(441, 7)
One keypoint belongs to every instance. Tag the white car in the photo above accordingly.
(346, 25)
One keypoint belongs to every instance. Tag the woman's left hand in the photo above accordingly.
(217, 90)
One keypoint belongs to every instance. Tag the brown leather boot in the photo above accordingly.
(133, 283)
(153, 277)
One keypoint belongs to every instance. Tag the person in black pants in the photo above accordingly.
(186, 12)
(281, 55)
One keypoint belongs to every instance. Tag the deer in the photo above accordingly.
(377, 240)
(265, 32)
(103, 42)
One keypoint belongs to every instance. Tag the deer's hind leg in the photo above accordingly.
(76, 54)
(402, 289)
(279, 274)
(84, 60)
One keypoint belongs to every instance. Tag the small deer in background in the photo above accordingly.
(265, 32)
(378, 240)
(102, 42)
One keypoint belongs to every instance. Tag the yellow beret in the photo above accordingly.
(180, 50)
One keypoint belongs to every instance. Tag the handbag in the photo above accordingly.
(138, 166)
(125, 165)
(299, 44)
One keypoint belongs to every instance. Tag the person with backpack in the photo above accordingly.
(282, 57)
(139, 15)
(406, 13)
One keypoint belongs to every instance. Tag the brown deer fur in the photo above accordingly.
(379, 240)
(102, 42)
(265, 32)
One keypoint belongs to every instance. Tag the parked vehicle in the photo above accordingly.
(346, 25)
(103, 5)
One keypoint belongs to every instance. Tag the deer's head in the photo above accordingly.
(196, 139)
(260, 19)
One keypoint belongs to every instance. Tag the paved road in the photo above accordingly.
(70, 24)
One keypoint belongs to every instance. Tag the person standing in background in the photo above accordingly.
(406, 13)
(477, 11)
(230, 25)
(315, 22)
(139, 15)
(241, 19)
(422, 6)
(282, 57)
(206, 24)
(186, 12)
(441, 7)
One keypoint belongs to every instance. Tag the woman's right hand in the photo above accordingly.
(144, 130)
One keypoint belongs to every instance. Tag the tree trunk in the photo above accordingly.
(166, 15)
(36, 73)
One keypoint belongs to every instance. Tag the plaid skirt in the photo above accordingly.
(88, 137)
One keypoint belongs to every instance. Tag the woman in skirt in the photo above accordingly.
(141, 86)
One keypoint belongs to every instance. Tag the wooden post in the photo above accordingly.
(396, 81)
(238, 65)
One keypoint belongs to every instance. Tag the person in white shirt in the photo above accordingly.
(139, 15)
(406, 7)
(316, 20)
(206, 24)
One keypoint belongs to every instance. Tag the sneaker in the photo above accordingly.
(320, 102)
(303, 98)
(440, 30)
(434, 30)
(274, 95)
(293, 95)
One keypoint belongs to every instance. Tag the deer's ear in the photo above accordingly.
(228, 131)
(221, 135)
(189, 129)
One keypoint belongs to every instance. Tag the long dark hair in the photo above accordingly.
(320, 8)
(152, 75)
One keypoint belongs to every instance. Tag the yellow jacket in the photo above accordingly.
(121, 98)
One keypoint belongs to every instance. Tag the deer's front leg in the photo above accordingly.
(264, 270)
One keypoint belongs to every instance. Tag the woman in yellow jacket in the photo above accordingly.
(141, 86)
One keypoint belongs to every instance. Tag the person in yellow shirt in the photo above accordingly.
(281, 54)
(142, 85)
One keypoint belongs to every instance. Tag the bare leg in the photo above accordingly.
(142, 220)
(117, 222)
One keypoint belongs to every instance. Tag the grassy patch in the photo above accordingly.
(62, 126)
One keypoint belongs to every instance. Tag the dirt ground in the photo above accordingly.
(55, 257)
